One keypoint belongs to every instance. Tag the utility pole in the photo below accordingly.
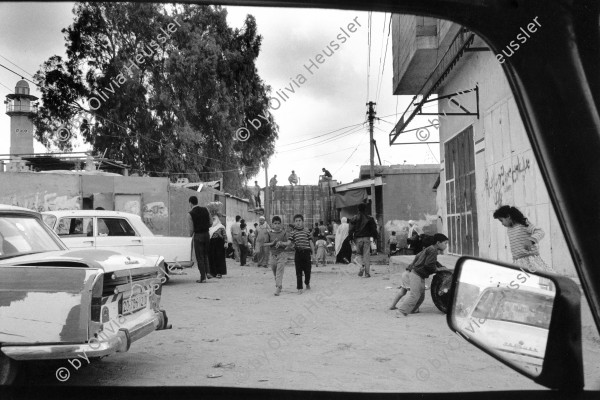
(372, 113)
(267, 193)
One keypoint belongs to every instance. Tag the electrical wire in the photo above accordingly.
(303, 157)
(9, 89)
(351, 154)
(384, 56)
(318, 136)
(328, 140)
(369, 54)
(20, 75)
(379, 69)
(433, 155)
(16, 65)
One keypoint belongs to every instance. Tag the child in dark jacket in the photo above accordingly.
(424, 265)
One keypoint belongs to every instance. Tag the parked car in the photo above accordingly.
(119, 231)
(57, 303)
(514, 323)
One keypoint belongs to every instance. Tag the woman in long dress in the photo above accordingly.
(343, 250)
(262, 237)
(216, 248)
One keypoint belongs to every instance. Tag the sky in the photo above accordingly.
(321, 124)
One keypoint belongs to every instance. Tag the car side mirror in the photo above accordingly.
(529, 320)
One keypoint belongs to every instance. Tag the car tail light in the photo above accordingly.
(96, 305)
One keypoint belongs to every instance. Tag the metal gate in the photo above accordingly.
(460, 194)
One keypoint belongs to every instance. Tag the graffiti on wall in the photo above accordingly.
(155, 216)
(43, 201)
(500, 180)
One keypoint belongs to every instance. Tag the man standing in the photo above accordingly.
(236, 233)
(362, 229)
(198, 224)
(273, 185)
(256, 193)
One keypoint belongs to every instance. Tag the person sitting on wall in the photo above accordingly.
(326, 175)
(272, 186)
(293, 178)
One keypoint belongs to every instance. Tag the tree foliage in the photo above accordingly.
(176, 110)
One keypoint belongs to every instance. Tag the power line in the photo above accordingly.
(379, 72)
(351, 154)
(318, 155)
(433, 155)
(20, 75)
(384, 55)
(10, 90)
(369, 54)
(324, 134)
(16, 65)
(331, 139)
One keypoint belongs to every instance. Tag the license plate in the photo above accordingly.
(135, 303)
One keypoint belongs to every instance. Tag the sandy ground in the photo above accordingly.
(338, 336)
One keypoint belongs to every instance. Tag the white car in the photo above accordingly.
(514, 322)
(114, 230)
(62, 304)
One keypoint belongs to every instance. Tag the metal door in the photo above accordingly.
(460, 194)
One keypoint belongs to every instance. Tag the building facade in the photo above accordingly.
(486, 157)
(402, 193)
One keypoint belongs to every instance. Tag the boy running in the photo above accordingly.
(304, 248)
(277, 239)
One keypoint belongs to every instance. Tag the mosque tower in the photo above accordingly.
(21, 111)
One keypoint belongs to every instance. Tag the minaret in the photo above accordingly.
(21, 111)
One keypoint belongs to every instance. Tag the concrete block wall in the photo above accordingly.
(40, 192)
(163, 208)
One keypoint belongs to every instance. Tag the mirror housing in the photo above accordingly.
(562, 366)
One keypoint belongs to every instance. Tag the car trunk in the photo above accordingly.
(45, 304)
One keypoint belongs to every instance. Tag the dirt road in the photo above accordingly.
(338, 336)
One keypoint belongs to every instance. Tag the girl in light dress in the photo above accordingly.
(321, 245)
(523, 237)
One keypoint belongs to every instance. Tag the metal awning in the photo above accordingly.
(461, 42)
(377, 181)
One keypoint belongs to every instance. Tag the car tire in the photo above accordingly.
(9, 370)
(440, 290)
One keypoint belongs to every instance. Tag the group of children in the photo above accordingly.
(523, 237)
(279, 241)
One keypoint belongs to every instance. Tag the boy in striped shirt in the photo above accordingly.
(304, 248)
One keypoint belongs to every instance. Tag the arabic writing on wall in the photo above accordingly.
(499, 180)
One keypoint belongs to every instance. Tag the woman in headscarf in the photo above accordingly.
(343, 250)
(216, 248)
(262, 237)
